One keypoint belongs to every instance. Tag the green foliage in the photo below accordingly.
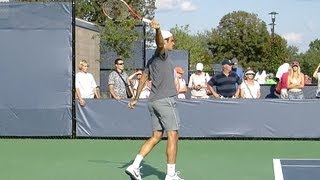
(245, 36)
(195, 44)
(310, 60)
(116, 36)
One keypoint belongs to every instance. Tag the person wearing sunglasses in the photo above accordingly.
(250, 88)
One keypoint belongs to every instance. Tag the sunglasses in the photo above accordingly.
(120, 63)
(250, 74)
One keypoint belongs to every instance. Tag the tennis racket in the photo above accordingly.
(119, 10)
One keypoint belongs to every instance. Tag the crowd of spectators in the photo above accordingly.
(231, 82)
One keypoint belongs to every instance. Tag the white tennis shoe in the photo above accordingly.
(134, 173)
(174, 177)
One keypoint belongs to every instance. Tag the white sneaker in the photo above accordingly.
(174, 177)
(134, 173)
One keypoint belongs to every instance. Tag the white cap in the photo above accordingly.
(199, 67)
(166, 34)
(250, 72)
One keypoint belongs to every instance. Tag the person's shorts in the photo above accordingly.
(164, 114)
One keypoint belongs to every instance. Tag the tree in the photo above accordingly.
(195, 44)
(245, 36)
(310, 60)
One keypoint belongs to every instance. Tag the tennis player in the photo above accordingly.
(161, 105)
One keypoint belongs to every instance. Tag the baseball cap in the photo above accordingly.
(227, 61)
(199, 67)
(179, 70)
(166, 34)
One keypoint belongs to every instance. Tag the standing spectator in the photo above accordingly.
(284, 85)
(198, 83)
(86, 86)
(237, 68)
(316, 75)
(134, 81)
(295, 82)
(181, 84)
(250, 88)
(282, 69)
(227, 82)
(118, 79)
(162, 105)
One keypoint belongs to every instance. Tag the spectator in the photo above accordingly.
(295, 82)
(270, 79)
(227, 82)
(282, 69)
(284, 84)
(261, 76)
(237, 68)
(134, 81)
(86, 86)
(198, 83)
(307, 79)
(180, 83)
(316, 75)
(118, 79)
(250, 88)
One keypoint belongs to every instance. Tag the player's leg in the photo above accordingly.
(171, 122)
(134, 169)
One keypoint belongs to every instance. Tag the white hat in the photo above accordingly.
(166, 34)
(199, 67)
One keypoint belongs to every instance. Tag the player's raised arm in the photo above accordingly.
(158, 37)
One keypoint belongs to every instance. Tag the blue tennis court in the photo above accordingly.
(296, 169)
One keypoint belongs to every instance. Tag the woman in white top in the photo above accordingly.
(249, 87)
(295, 82)
(198, 83)
(316, 75)
(134, 81)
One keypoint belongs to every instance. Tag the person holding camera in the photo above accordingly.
(198, 83)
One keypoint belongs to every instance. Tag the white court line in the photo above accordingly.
(307, 166)
(277, 169)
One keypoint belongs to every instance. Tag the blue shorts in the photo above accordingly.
(164, 114)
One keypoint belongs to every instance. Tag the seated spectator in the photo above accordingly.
(134, 81)
(295, 82)
(316, 75)
(198, 83)
(249, 88)
(86, 86)
(227, 82)
(307, 79)
(180, 83)
(270, 79)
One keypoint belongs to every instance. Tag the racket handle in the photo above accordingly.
(146, 20)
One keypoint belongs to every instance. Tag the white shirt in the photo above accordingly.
(86, 84)
(254, 89)
(199, 79)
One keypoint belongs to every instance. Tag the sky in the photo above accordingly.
(297, 21)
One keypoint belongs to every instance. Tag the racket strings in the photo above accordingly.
(115, 10)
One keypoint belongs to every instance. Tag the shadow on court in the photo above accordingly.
(146, 169)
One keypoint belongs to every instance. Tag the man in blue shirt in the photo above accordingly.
(227, 82)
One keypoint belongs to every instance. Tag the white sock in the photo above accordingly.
(171, 169)
(137, 161)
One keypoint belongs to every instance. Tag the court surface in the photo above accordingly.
(296, 169)
(84, 159)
